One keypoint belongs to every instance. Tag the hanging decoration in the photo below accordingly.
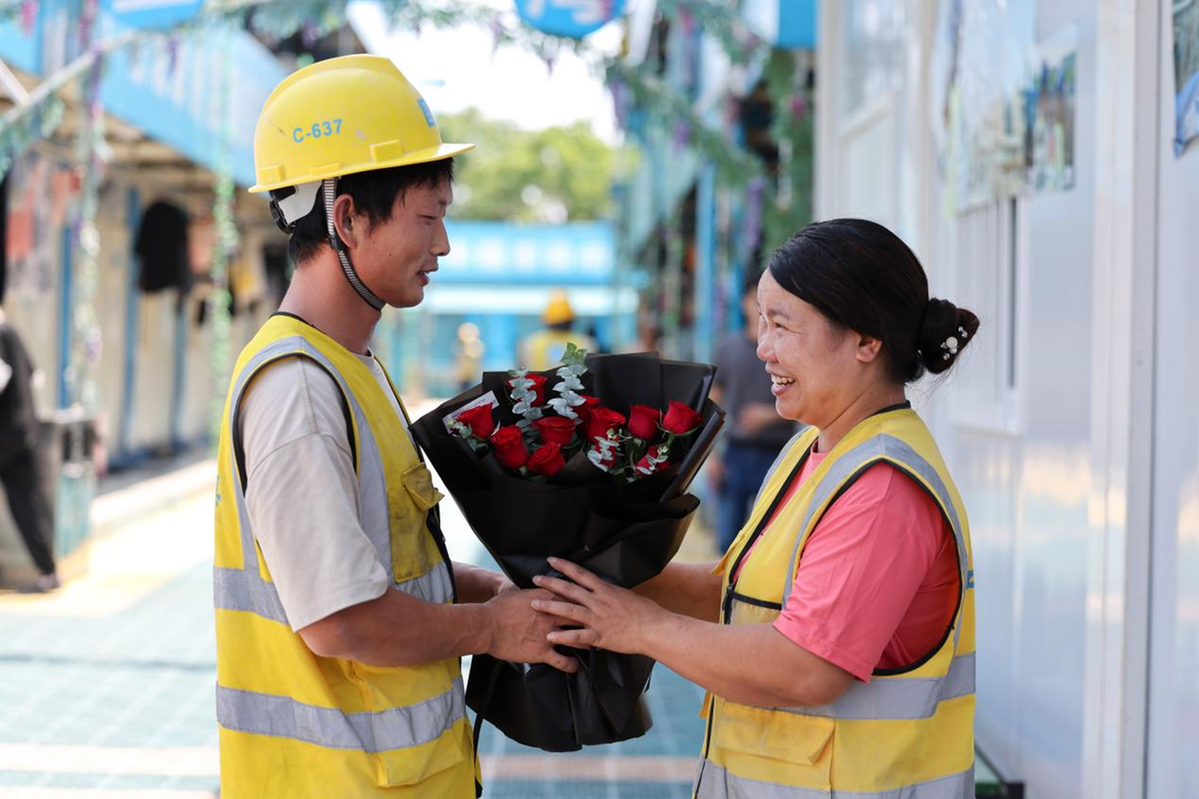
(788, 206)
(86, 340)
(224, 245)
(25, 124)
(672, 111)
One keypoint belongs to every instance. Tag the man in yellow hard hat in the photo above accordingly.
(543, 349)
(340, 619)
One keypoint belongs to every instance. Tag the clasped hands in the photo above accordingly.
(581, 612)
(593, 613)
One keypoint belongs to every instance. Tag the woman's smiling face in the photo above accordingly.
(812, 363)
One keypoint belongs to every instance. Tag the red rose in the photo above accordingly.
(509, 446)
(538, 387)
(479, 419)
(680, 419)
(643, 421)
(556, 430)
(584, 410)
(601, 421)
(547, 460)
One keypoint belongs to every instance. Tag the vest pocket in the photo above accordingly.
(400, 767)
(413, 739)
(774, 734)
(419, 484)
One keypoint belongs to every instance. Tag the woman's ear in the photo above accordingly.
(868, 348)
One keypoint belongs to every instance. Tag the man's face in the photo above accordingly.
(395, 258)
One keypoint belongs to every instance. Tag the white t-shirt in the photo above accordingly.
(302, 494)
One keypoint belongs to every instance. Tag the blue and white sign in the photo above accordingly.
(572, 18)
(786, 24)
(504, 253)
(158, 14)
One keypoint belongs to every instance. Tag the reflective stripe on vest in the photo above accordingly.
(718, 783)
(900, 699)
(396, 728)
(245, 589)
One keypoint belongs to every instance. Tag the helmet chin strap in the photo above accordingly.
(339, 247)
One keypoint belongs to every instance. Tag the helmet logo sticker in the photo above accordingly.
(428, 114)
(327, 127)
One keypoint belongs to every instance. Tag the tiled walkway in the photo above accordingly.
(107, 686)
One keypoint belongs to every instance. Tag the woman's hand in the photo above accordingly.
(612, 618)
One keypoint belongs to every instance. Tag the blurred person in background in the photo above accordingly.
(468, 355)
(836, 636)
(757, 432)
(340, 619)
(21, 470)
(543, 349)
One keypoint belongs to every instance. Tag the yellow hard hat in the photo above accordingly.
(342, 116)
(558, 310)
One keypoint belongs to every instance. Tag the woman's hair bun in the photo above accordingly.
(944, 333)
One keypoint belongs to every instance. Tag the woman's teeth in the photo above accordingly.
(781, 381)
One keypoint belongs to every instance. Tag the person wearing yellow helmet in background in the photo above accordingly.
(543, 349)
(340, 619)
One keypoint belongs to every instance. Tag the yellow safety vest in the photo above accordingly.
(543, 350)
(293, 724)
(908, 733)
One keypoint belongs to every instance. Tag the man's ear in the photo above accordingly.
(346, 222)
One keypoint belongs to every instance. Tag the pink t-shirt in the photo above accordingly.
(878, 581)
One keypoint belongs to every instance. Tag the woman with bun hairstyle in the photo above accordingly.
(835, 637)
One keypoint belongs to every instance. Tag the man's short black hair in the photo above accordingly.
(374, 193)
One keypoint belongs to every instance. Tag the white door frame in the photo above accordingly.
(1127, 147)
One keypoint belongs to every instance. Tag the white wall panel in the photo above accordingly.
(1173, 767)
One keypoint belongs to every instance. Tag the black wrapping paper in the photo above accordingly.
(624, 532)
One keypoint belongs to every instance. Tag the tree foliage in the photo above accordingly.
(552, 175)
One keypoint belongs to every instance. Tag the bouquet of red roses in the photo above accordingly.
(547, 434)
(588, 462)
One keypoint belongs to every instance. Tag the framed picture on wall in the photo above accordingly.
(1186, 73)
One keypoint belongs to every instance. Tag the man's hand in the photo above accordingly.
(519, 633)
